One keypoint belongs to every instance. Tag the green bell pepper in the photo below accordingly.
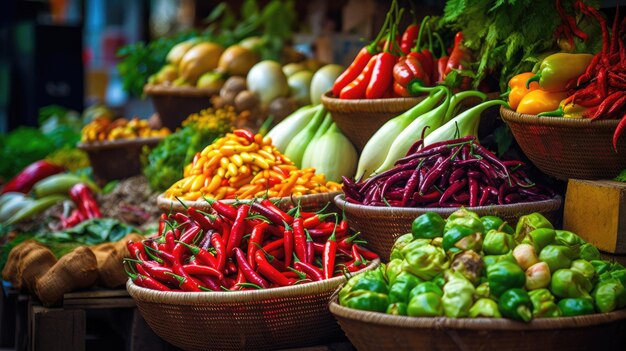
(427, 304)
(567, 238)
(491, 259)
(402, 286)
(437, 242)
(468, 263)
(576, 307)
(540, 238)
(425, 287)
(428, 226)
(459, 216)
(497, 224)
(425, 262)
(486, 308)
(503, 276)
(397, 309)
(620, 275)
(399, 244)
(482, 291)
(394, 267)
(609, 295)
(515, 304)
(462, 238)
(557, 257)
(458, 294)
(528, 223)
(439, 280)
(585, 268)
(567, 283)
(498, 243)
(367, 301)
(414, 245)
(589, 252)
(544, 305)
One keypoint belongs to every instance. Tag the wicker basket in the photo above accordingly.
(261, 319)
(568, 148)
(360, 119)
(381, 226)
(116, 159)
(313, 202)
(379, 332)
(175, 104)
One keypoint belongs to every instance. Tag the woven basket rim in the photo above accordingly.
(155, 90)
(400, 104)
(510, 115)
(121, 143)
(389, 320)
(341, 203)
(208, 297)
(163, 202)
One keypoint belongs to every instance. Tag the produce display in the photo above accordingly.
(395, 65)
(103, 128)
(310, 139)
(452, 173)
(211, 252)
(479, 267)
(243, 165)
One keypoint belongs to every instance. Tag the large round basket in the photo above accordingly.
(175, 104)
(267, 319)
(312, 203)
(116, 159)
(380, 332)
(568, 148)
(381, 226)
(360, 119)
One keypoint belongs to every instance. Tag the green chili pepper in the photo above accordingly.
(428, 226)
(503, 276)
(585, 268)
(397, 309)
(609, 295)
(515, 304)
(425, 287)
(427, 304)
(496, 223)
(485, 308)
(567, 238)
(528, 223)
(394, 267)
(367, 301)
(498, 243)
(458, 294)
(401, 242)
(544, 305)
(462, 238)
(425, 262)
(567, 283)
(557, 257)
(576, 307)
(589, 252)
(402, 286)
(541, 238)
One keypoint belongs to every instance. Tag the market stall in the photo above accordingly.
(459, 184)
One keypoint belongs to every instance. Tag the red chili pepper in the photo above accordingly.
(23, 182)
(201, 255)
(346, 242)
(83, 198)
(269, 272)
(408, 70)
(365, 253)
(231, 268)
(357, 88)
(157, 271)
(277, 216)
(316, 219)
(193, 269)
(187, 237)
(350, 74)
(382, 75)
(244, 133)
(619, 130)
(409, 38)
(256, 239)
(226, 210)
(201, 220)
(169, 241)
(310, 249)
(147, 282)
(209, 282)
(442, 63)
(218, 244)
(299, 239)
(328, 258)
(188, 283)
(237, 230)
(136, 250)
(248, 271)
(310, 270)
(276, 244)
(162, 221)
(288, 241)
(181, 219)
(457, 56)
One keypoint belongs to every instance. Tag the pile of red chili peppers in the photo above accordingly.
(400, 66)
(452, 173)
(250, 245)
(602, 88)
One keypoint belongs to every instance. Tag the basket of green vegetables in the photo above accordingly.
(472, 283)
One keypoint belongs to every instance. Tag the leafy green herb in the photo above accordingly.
(92, 232)
(621, 177)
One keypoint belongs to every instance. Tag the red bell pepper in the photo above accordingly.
(24, 181)
(407, 70)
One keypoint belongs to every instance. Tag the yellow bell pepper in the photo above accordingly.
(517, 88)
(559, 71)
(538, 101)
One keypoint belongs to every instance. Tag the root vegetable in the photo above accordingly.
(246, 101)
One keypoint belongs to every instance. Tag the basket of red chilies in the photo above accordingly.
(244, 276)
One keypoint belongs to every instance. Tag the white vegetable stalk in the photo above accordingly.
(293, 124)
(311, 150)
(297, 146)
(334, 156)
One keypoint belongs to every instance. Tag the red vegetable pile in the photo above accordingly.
(251, 245)
(451, 173)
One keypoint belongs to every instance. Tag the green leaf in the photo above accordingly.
(621, 177)
(249, 8)
(453, 9)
